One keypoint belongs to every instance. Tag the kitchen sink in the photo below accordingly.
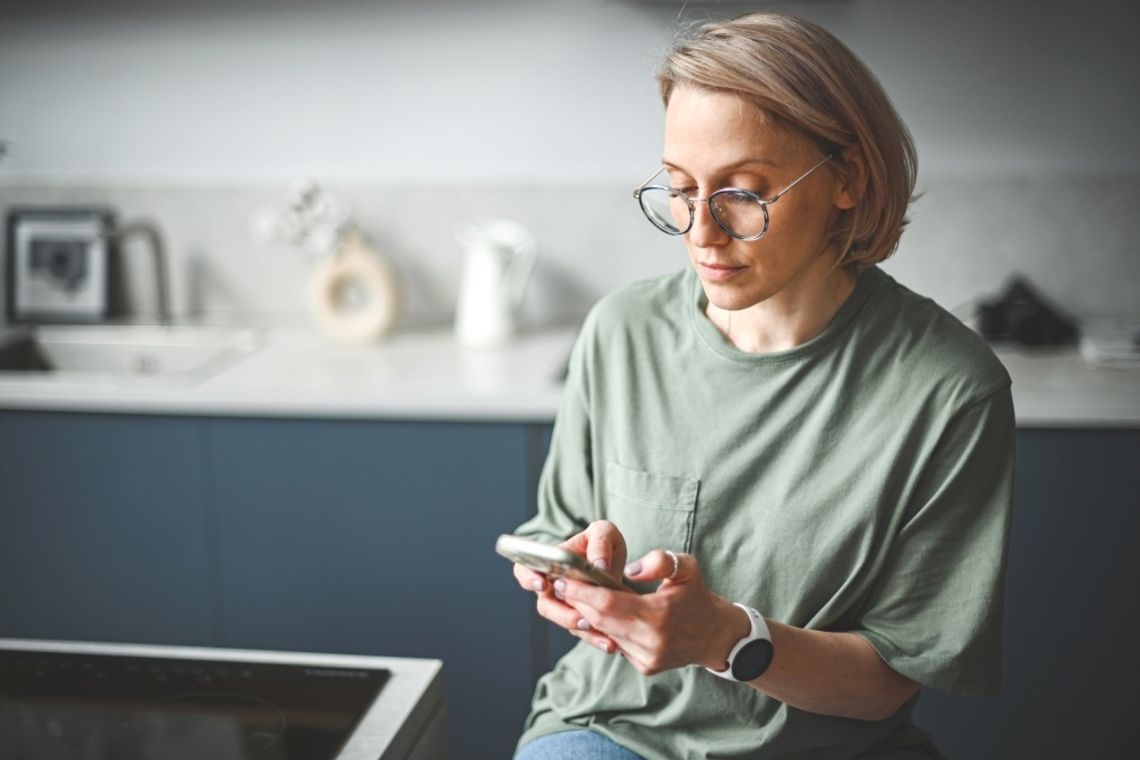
(102, 354)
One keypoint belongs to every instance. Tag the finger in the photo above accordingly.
(605, 644)
(571, 619)
(625, 631)
(608, 602)
(565, 615)
(625, 636)
(618, 622)
(558, 612)
(604, 541)
(600, 641)
(609, 641)
(576, 543)
(660, 565)
(635, 654)
(530, 580)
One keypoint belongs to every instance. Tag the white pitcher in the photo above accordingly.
(497, 262)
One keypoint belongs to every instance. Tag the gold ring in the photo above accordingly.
(676, 564)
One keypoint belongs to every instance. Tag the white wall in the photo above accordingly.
(427, 115)
(519, 90)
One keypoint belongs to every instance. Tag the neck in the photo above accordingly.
(789, 318)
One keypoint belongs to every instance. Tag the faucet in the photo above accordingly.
(158, 253)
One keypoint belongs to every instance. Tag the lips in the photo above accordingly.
(719, 272)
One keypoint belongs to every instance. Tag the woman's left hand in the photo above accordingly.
(681, 623)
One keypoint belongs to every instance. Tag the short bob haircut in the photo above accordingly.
(806, 80)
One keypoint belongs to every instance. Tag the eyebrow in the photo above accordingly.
(729, 167)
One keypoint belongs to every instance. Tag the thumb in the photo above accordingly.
(598, 553)
(663, 565)
(606, 547)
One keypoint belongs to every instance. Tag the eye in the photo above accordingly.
(757, 188)
(681, 183)
(752, 183)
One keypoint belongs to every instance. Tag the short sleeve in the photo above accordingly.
(565, 487)
(936, 614)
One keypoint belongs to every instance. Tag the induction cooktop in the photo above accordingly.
(96, 706)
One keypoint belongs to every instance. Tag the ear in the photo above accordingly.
(852, 182)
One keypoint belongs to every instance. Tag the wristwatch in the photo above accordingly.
(752, 654)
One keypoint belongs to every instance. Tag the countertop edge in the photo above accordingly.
(428, 377)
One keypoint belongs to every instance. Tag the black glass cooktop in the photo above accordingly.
(106, 707)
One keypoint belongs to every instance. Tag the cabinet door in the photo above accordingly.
(378, 538)
(551, 641)
(104, 529)
(1071, 617)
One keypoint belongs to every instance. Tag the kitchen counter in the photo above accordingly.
(1058, 388)
(425, 375)
(413, 375)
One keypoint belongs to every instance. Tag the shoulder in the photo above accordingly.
(649, 305)
(656, 296)
(932, 347)
(627, 323)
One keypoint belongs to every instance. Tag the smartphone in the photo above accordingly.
(553, 561)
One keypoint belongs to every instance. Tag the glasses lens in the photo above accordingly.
(740, 212)
(666, 209)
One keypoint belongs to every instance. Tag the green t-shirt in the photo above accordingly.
(858, 482)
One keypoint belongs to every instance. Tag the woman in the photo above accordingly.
(806, 465)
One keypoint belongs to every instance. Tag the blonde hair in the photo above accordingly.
(805, 79)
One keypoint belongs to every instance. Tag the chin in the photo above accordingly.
(731, 297)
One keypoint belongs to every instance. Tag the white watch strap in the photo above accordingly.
(759, 631)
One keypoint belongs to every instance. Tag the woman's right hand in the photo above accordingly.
(603, 545)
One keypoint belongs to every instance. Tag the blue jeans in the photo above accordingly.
(581, 744)
(574, 745)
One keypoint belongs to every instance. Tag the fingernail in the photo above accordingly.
(604, 646)
(559, 586)
(537, 584)
(602, 564)
(633, 568)
(583, 625)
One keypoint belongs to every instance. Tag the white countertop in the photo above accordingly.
(415, 374)
(426, 375)
(1058, 388)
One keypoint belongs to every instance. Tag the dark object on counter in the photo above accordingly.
(1024, 316)
(64, 265)
(58, 264)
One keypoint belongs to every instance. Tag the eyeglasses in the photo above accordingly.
(741, 213)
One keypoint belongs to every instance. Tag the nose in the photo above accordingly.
(706, 232)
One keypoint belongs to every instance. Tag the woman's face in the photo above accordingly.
(715, 140)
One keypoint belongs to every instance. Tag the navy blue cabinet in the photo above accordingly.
(378, 539)
(1071, 617)
(105, 529)
(314, 535)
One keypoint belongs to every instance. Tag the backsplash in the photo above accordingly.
(1075, 237)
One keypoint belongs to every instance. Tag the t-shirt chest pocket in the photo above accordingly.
(652, 511)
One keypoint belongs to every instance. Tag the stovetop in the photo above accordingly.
(59, 706)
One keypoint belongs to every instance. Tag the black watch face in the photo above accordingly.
(752, 660)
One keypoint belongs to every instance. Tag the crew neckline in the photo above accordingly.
(867, 283)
